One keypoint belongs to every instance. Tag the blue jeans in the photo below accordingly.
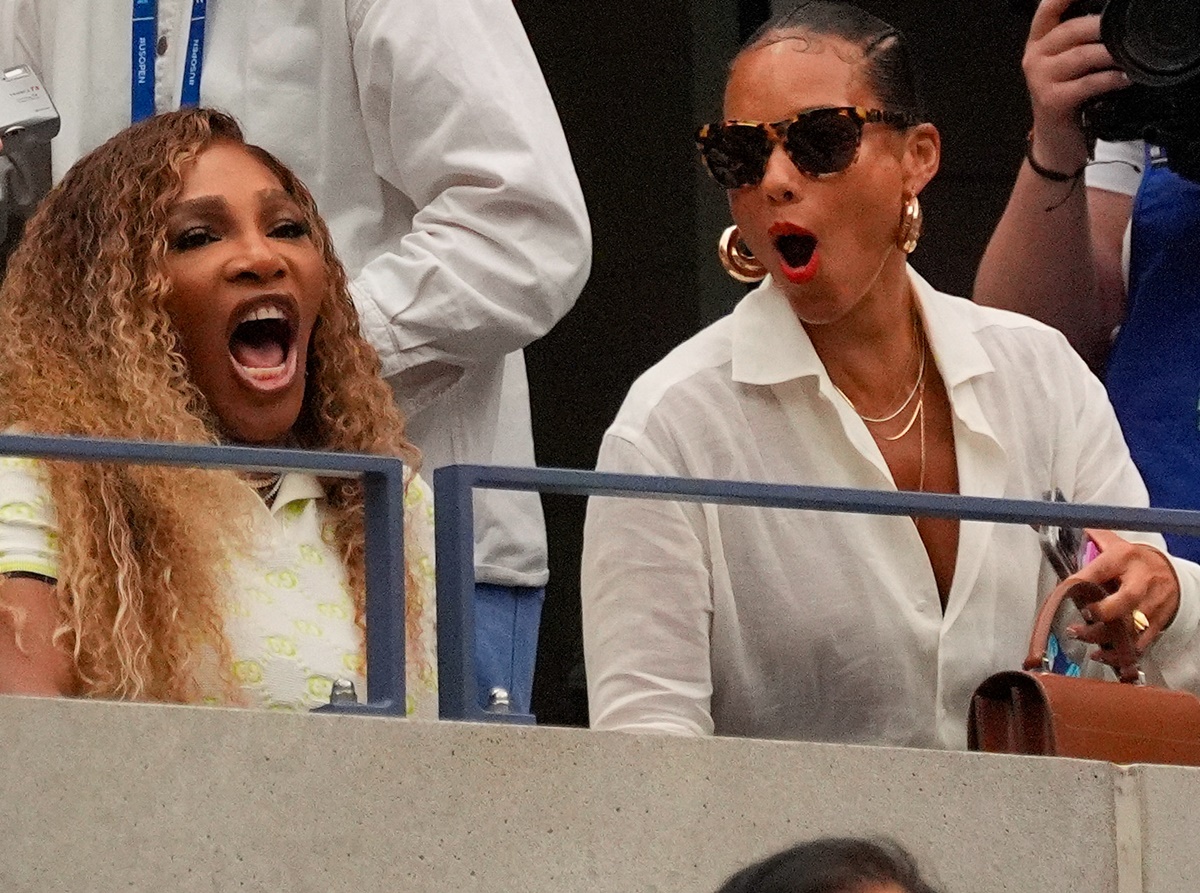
(506, 637)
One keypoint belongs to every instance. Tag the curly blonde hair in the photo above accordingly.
(89, 349)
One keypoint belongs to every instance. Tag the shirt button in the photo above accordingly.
(161, 46)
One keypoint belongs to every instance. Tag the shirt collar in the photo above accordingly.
(770, 345)
(296, 487)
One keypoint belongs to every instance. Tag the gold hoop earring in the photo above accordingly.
(736, 258)
(910, 225)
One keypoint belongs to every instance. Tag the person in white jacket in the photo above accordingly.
(432, 145)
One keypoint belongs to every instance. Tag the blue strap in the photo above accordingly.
(190, 95)
(145, 35)
(145, 31)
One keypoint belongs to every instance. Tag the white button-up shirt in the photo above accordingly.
(426, 133)
(828, 626)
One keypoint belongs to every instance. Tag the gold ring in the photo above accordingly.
(1140, 622)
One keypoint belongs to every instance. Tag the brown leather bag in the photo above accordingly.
(1042, 713)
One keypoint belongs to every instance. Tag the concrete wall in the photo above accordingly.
(100, 796)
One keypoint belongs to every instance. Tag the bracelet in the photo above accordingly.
(1045, 172)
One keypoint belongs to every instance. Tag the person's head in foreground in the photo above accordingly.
(831, 216)
(178, 285)
(833, 865)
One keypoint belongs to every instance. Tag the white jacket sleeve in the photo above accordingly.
(19, 35)
(647, 605)
(460, 121)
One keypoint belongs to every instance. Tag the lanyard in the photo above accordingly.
(145, 34)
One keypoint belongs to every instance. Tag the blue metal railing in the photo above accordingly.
(383, 488)
(453, 508)
(454, 486)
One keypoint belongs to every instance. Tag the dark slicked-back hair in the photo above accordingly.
(890, 69)
(831, 865)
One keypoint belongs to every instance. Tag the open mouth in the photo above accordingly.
(797, 249)
(262, 345)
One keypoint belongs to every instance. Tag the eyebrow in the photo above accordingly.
(210, 204)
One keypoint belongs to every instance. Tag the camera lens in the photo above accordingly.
(1156, 42)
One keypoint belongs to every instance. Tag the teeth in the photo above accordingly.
(264, 373)
(266, 312)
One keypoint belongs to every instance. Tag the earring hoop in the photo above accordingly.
(911, 219)
(736, 258)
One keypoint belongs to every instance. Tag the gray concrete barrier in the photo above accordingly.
(99, 797)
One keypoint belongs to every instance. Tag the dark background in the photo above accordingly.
(632, 81)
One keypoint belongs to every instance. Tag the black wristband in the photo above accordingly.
(1045, 172)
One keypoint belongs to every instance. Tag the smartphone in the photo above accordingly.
(1066, 548)
(27, 114)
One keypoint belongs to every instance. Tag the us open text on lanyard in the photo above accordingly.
(145, 36)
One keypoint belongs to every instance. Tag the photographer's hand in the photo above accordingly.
(1065, 64)
(1056, 253)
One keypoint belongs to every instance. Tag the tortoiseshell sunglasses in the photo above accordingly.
(819, 142)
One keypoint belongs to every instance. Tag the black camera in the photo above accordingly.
(1156, 43)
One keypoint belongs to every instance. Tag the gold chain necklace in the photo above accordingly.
(921, 479)
(918, 387)
(918, 411)
(919, 340)
(918, 415)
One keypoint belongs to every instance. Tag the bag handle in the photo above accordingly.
(1083, 594)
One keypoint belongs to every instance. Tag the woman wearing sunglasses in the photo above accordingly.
(845, 368)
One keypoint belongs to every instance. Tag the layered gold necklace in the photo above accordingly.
(917, 394)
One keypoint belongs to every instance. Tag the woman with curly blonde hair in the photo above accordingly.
(179, 285)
